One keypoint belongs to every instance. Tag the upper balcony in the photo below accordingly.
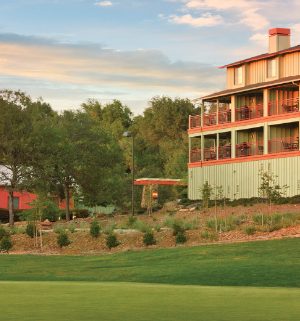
(257, 105)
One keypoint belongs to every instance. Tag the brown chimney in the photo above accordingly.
(279, 39)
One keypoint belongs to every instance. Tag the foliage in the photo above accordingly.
(206, 192)
(209, 235)
(3, 232)
(112, 241)
(31, 229)
(250, 230)
(141, 226)
(149, 238)
(72, 228)
(131, 220)
(63, 239)
(95, 229)
(6, 243)
(181, 237)
(269, 187)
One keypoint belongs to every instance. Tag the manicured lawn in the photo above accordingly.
(263, 264)
(86, 301)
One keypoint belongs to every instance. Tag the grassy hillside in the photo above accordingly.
(268, 264)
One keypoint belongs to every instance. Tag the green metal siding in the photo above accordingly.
(241, 180)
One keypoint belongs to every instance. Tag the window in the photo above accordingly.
(272, 68)
(238, 75)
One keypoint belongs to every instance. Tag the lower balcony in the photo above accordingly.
(246, 149)
(283, 145)
(248, 112)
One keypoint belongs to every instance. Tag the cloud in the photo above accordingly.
(246, 12)
(113, 74)
(206, 20)
(104, 4)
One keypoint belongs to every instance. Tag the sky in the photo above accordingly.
(67, 51)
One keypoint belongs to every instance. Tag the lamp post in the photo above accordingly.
(130, 134)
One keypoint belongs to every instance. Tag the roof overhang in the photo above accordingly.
(248, 88)
(159, 181)
(263, 56)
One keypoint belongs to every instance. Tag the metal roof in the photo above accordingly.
(263, 56)
(261, 85)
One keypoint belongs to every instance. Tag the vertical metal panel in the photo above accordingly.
(241, 180)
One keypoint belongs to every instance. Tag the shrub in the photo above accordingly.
(112, 241)
(177, 228)
(149, 238)
(6, 244)
(3, 232)
(191, 225)
(31, 229)
(141, 226)
(250, 230)
(95, 229)
(72, 228)
(131, 220)
(275, 227)
(209, 235)
(181, 237)
(50, 211)
(211, 223)
(63, 239)
(59, 229)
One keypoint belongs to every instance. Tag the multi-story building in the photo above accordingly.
(250, 127)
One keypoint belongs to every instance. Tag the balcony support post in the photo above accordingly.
(233, 143)
(266, 139)
(299, 131)
(266, 102)
(217, 147)
(202, 147)
(217, 113)
(202, 115)
(233, 106)
(190, 148)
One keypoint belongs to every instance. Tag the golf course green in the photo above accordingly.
(245, 281)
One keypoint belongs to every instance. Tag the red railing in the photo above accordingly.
(284, 144)
(210, 153)
(224, 116)
(209, 119)
(225, 151)
(249, 112)
(249, 149)
(195, 155)
(195, 121)
(277, 107)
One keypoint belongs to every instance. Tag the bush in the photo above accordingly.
(95, 229)
(181, 237)
(31, 229)
(112, 241)
(3, 232)
(250, 230)
(72, 228)
(6, 244)
(63, 239)
(131, 220)
(149, 238)
(109, 229)
(141, 226)
(50, 211)
(209, 235)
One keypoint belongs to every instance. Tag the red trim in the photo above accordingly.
(158, 182)
(244, 159)
(242, 123)
(280, 31)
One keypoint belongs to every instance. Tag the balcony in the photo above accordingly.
(248, 112)
(284, 144)
(195, 155)
(195, 121)
(285, 106)
(246, 149)
(225, 151)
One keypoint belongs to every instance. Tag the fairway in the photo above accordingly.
(256, 281)
(80, 301)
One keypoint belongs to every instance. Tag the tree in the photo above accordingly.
(269, 187)
(16, 149)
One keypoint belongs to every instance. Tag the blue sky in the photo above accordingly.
(67, 51)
